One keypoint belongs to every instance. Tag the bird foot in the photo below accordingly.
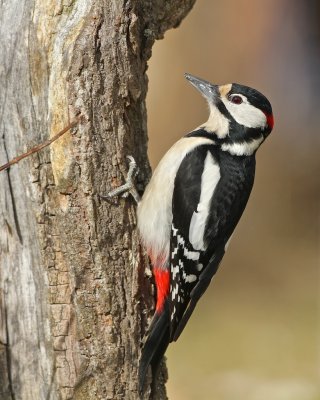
(128, 187)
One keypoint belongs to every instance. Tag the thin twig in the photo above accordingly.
(41, 146)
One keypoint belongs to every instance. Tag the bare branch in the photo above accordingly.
(41, 145)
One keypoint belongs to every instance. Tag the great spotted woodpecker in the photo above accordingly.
(193, 203)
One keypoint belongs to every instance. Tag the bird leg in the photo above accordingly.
(128, 187)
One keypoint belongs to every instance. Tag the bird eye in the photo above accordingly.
(236, 99)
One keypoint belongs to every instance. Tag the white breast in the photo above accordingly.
(155, 209)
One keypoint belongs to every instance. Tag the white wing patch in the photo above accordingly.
(210, 178)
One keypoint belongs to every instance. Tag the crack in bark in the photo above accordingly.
(13, 201)
(8, 352)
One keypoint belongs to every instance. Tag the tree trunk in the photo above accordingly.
(75, 298)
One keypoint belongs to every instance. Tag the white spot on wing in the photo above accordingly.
(174, 292)
(190, 278)
(191, 255)
(173, 312)
(175, 252)
(175, 271)
(210, 178)
(199, 267)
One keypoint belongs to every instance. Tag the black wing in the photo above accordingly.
(196, 255)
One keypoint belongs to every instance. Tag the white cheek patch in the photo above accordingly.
(245, 113)
(216, 123)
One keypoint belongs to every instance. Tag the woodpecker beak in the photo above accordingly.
(209, 92)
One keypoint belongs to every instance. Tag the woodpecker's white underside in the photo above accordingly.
(154, 211)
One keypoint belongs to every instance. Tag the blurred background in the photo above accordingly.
(255, 333)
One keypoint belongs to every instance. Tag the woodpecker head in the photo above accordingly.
(240, 117)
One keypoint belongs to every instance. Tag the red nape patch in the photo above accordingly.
(270, 120)
(162, 278)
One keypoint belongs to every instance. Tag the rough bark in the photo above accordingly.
(74, 294)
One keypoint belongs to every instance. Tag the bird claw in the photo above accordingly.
(129, 187)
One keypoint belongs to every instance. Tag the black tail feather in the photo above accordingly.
(155, 345)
